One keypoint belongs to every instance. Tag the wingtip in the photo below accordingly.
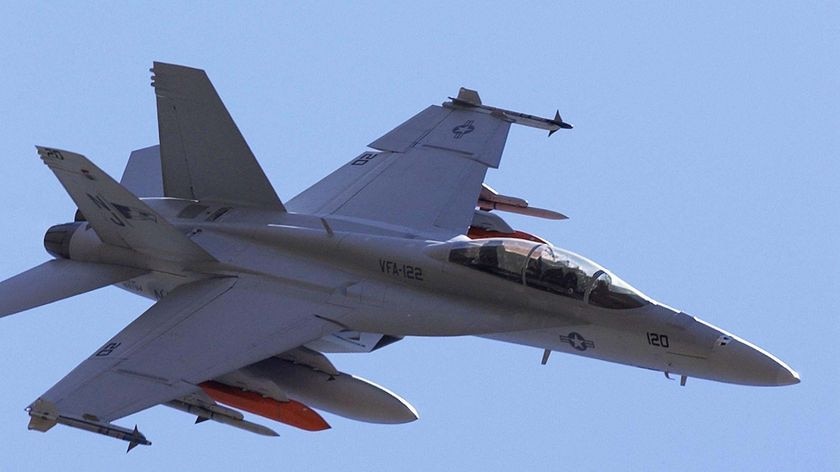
(558, 120)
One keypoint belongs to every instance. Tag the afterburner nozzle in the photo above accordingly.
(57, 239)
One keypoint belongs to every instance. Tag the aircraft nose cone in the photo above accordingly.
(750, 365)
(787, 376)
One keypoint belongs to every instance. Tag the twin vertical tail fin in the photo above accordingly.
(203, 153)
(201, 156)
(143, 175)
(117, 216)
(119, 219)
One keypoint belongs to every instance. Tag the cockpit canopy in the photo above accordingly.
(544, 267)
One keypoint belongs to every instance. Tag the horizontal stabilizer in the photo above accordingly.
(116, 215)
(56, 280)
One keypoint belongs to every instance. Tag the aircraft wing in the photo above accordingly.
(428, 175)
(427, 179)
(198, 332)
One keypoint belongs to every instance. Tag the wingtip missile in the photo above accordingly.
(558, 121)
(469, 99)
(136, 440)
(44, 415)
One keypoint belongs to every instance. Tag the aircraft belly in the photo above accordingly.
(597, 342)
(646, 340)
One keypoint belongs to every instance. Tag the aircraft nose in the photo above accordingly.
(787, 376)
(750, 365)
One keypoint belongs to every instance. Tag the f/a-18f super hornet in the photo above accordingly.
(251, 292)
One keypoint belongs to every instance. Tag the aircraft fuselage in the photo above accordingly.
(411, 287)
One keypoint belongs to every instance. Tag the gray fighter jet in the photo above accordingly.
(251, 292)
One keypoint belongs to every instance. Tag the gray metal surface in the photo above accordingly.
(143, 175)
(200, 331)
(117, 216)
(56, 280)
(204, 155)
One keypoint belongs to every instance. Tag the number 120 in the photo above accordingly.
(658, 340)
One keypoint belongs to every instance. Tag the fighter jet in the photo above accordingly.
(252, 292)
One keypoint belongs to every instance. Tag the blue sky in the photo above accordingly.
(702, 169)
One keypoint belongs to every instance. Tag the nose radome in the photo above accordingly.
(736, 360)
(755, 366)
(787, 376)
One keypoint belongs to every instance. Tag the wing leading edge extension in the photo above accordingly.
(198, 332)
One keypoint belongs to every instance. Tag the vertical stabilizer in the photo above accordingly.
(142, 175)
(203, 154)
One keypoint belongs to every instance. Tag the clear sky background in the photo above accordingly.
(702, 169)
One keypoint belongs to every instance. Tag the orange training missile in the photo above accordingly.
(292, 413)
